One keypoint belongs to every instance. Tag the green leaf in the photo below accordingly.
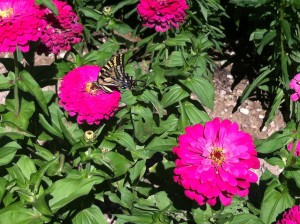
(266, 40)
(136, 219)
(122, 4)
(173, 95)
(123, 139)
(36, 178)
(109, 46)
(97, 57)
(138, 170)
(70, 130)
(7, 82)
(179, 40)
(275, 106)
(183, 120)
(7, 152)
(195, 115)
(276, 200)
(276, 141)
(294, 174)
(151, 96)
(202, 216)
(41, 205)
(27, 166)
(91, 13)
(261, 79)
(49, 128)
(287, 31)
(120, 27)
(18, 214)
(89, 215)
(176, 59)
(202, 88)
(119, 164)
(11, 130)
(128, 98)
(161, 145)
(143, 123)
(246, 219)
(127, 198)
(22, 119)
(66, 190)
(33, 87)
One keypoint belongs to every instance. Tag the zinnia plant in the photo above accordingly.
(292, 216)
(214, 162)
(162, 14)
(75, 97)
(62, 30)
(20, 22)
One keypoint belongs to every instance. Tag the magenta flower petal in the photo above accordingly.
(61, 31)
(292, 216)
(20, 22)
(295, 85)
(297, 150)
(162, 14)
(89, 107)
(214, 162)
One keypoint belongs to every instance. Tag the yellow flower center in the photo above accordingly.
(4, 13)
(217, 156)
(91, 88)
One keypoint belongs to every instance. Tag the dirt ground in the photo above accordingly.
(250, 114)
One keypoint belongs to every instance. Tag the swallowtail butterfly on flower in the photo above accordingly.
(112, 74)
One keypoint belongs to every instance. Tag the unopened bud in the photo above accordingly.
(107, 11)
(89, 136)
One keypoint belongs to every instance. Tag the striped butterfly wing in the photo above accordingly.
(112, 74)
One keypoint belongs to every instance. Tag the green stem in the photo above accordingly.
(291, 154)
(16, 89)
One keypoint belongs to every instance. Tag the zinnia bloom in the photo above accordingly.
(61, 31)
(90, 106)
(297, 150)
(20, 22)
(162, 14)
(215, 161)
(295, 85)
(292, 216)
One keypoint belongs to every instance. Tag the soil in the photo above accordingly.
(250, 115)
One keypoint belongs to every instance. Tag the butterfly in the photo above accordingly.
(113, 75)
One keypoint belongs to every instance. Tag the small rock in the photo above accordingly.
(244, 111)
(229, 76)
(223, 92)
(261, 116)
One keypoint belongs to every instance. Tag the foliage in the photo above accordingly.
(53, 172)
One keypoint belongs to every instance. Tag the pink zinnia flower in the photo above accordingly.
(61, 31)
(90, 106)
(295, 85)
(292, 216)
(20, 22)
(162, 14)
(215, 161)
(297, 150)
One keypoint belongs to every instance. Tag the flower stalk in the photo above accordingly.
(16, 89)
